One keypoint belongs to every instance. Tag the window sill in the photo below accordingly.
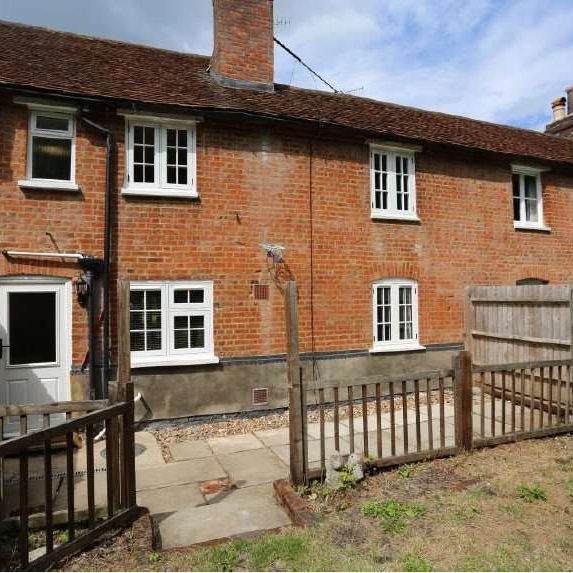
(524, 227)
(396, 348)
(158, 192)
(174, 361)
(395, 216)
(49, 184)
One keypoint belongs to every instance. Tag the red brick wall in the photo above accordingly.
(243, 40)
(254, 183)
(75, 220)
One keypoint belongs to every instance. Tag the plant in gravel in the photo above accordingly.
(347, 478)
(530, 493)
(569, 487)
(406, 471)
(393, 514)
(414, 562)
(224, 558)
(154, 557)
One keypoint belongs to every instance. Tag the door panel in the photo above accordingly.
(34, 325)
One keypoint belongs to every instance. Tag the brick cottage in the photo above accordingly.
(171, 170)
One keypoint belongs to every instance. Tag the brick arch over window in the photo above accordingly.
(531, 281)
(397, 270)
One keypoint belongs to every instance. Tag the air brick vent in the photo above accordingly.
(261, 292)
(260, 396)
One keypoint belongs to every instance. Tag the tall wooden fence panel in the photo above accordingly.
(511, 324)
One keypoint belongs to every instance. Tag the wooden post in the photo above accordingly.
(123, 341)
(463, 400)
(469, 317)
(297, 397)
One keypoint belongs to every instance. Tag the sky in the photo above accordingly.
(496, 60)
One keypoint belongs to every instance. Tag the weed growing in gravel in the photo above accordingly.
(405, 472)
(394, 515)
(530, 493)
(154, 557)
(347, 477)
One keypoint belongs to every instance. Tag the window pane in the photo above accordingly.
(180, 296)
(182, 156)
(153, 340)
(197, 338)
(137, 340)
(171, 156)
(181, 339)
(138, 173)
(149, 136)
(196, 321)
(152, 299)
(182, 138)
(138, 154)
(138, 134)
(181, 321)
(32, 327)
(51, 158)
(172, 175)
(136, 299)
(149, 154)
(149, 174)
(171, 138)
(376, 162)
(53, 123)
(153, 320)
(136, 321)
(530, 184)
(182, 171)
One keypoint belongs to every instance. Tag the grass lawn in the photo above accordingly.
(508, 508)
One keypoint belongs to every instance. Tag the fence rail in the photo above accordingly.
(119, 465)
(393, 420)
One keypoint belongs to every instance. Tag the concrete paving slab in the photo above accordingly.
(232, 444)
(190, 471)
(151, 456)
(171, 499)
(314, 429)
(190, 450)
(81, 492)
(244, 511)
(253, 467)
(276, 437)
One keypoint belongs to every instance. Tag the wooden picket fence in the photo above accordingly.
(118, 421)
(391, 421)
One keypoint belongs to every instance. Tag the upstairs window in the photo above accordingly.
(171, 323)
(51, 151)
(395, 314)
(527, 198)
(393, 184)
(161, 159)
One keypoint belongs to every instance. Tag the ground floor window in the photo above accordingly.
(395, 313)
(171, 323)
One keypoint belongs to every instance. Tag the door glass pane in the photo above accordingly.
(32, 327)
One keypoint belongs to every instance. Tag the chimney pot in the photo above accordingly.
(243, 48)
(559, 108)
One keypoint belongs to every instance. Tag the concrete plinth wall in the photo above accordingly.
(227, 387)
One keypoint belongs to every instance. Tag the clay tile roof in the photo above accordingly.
(42, 59)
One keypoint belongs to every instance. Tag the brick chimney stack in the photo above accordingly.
(562, 118)
(243, 54)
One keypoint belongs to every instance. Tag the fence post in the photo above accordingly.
(123, 340)
(463, 400)
(297, 397)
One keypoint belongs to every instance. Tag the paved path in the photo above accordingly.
(172, 491)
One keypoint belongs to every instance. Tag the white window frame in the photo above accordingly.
(169, 355)
(160, 187)
(392, 211)
(58, 113)
(395, 344)
(521, 170)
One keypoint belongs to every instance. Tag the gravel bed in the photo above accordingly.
(181, 431)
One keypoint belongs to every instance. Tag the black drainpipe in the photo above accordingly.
(92, 268)
(106, 252)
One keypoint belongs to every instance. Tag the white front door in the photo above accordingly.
(35, 331)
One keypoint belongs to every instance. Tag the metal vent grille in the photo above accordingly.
(260, 396)
(261, 291)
